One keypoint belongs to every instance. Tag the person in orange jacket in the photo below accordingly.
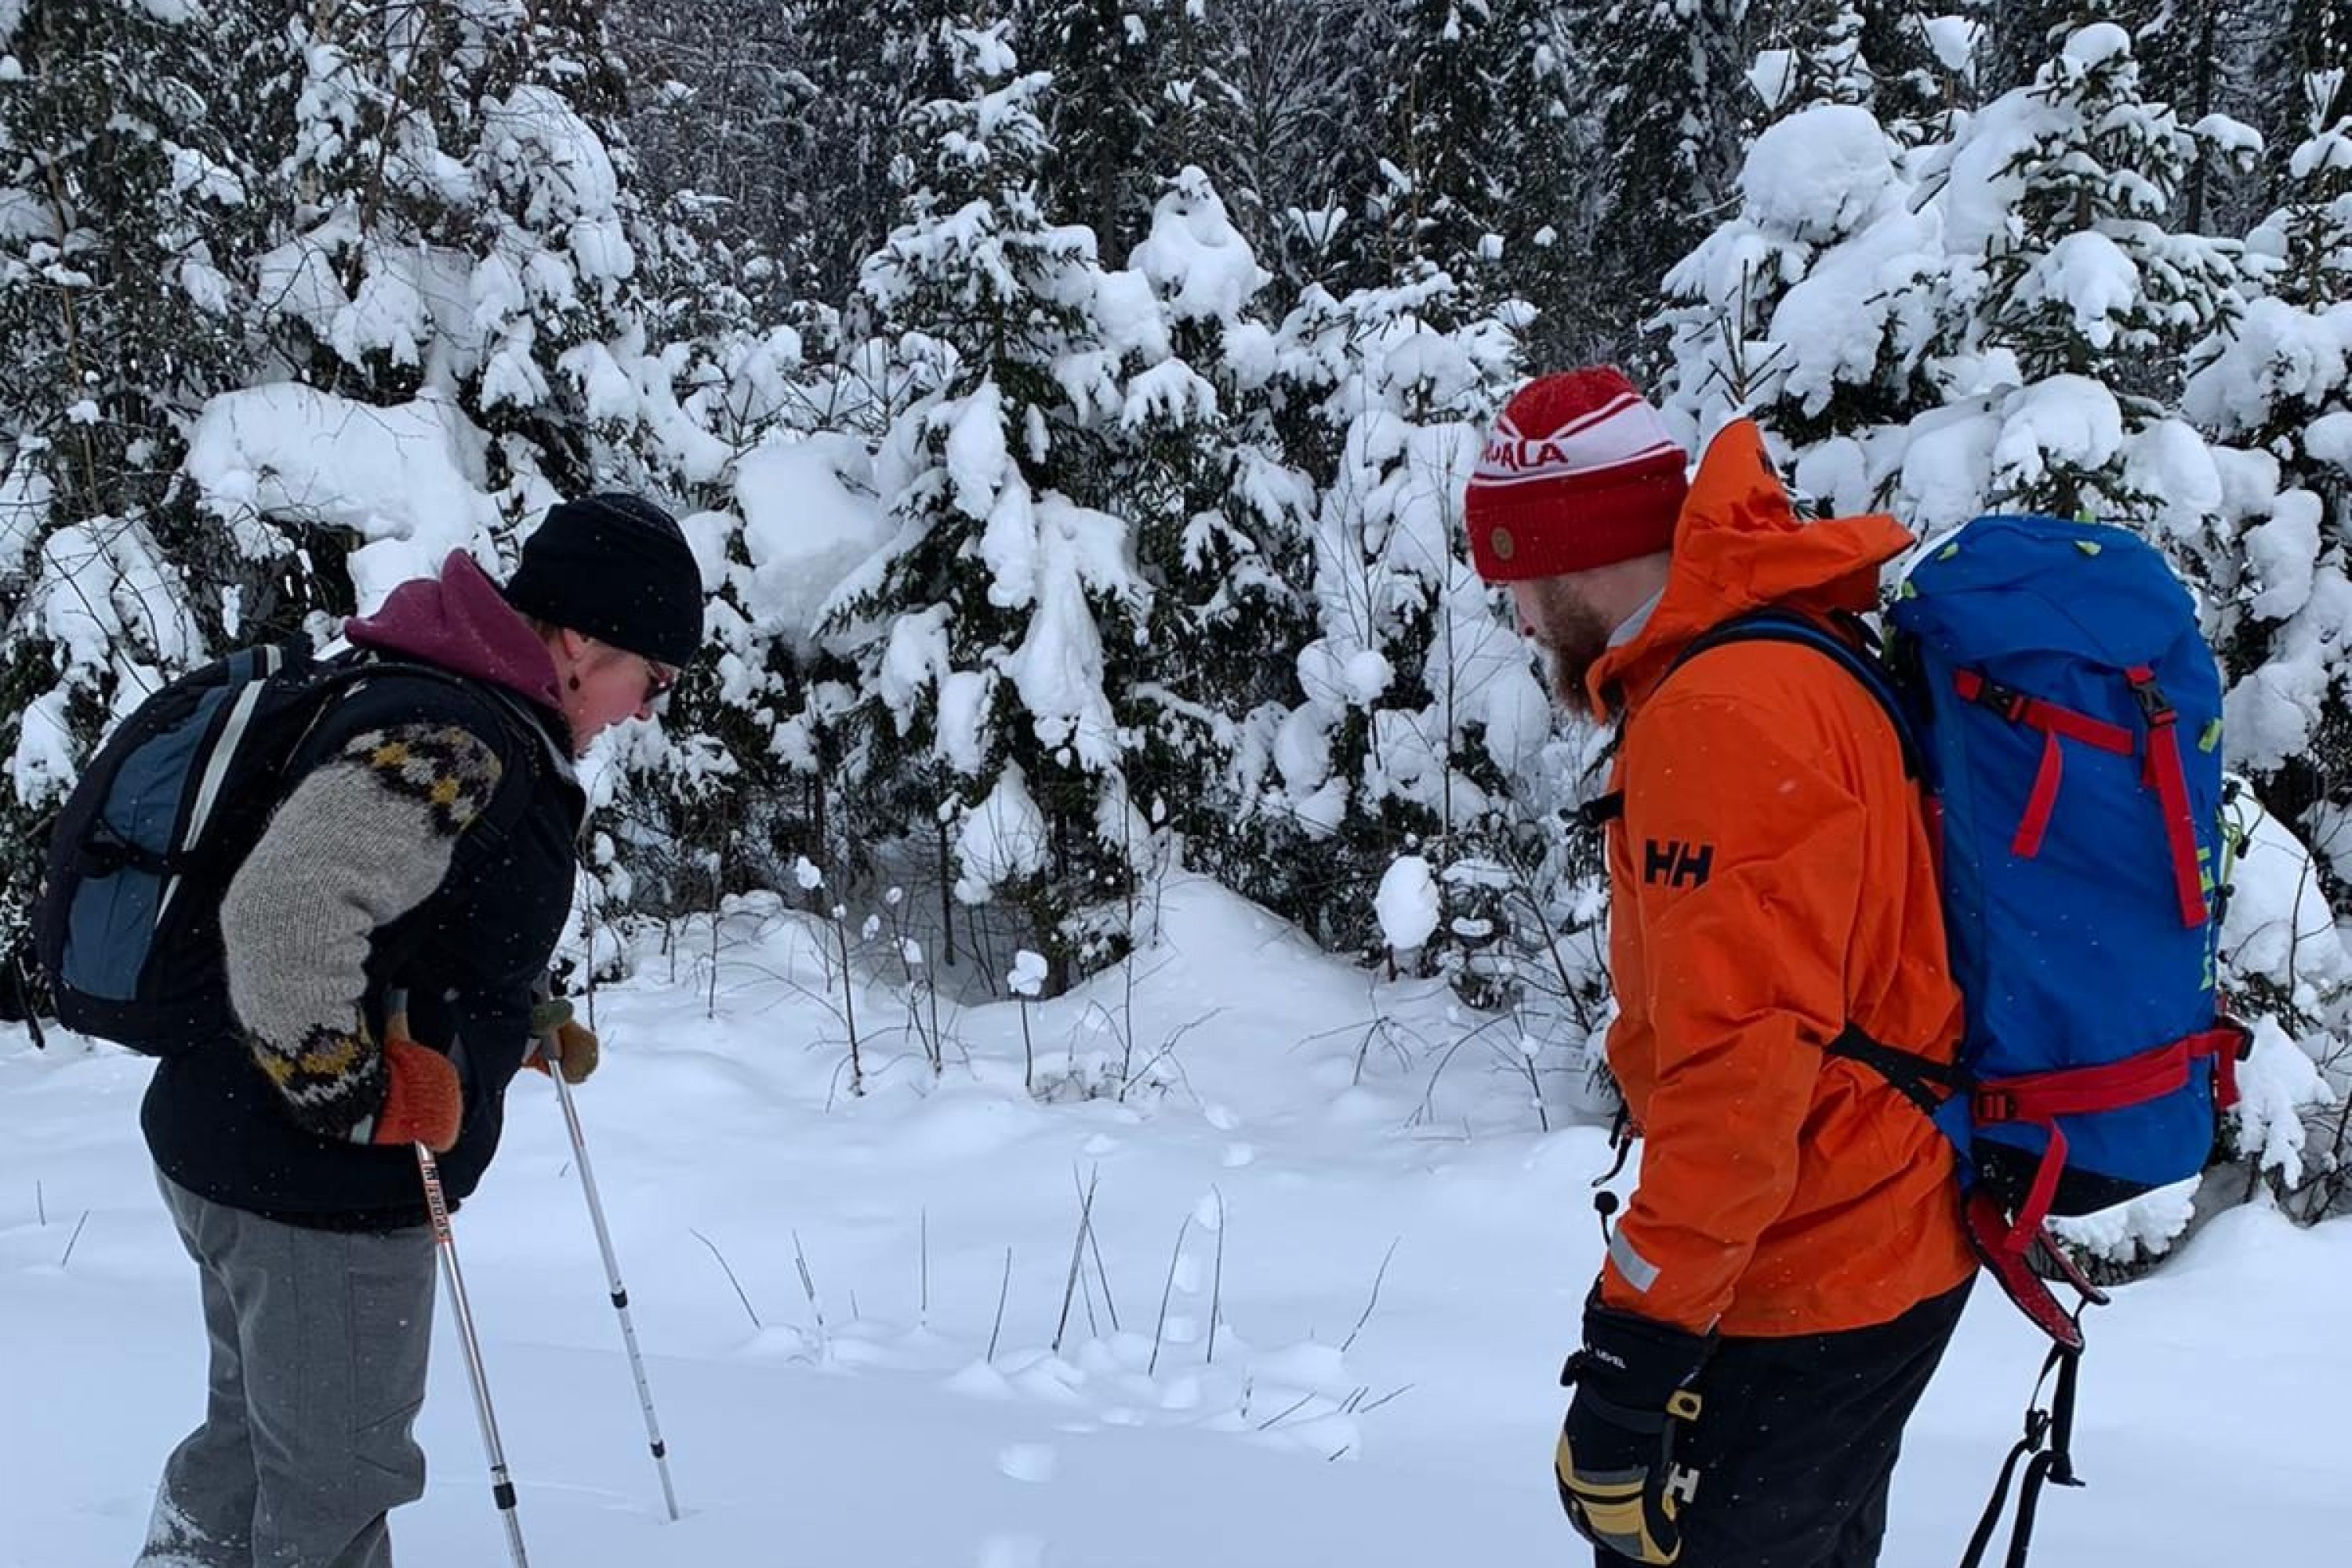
(1784, 1280)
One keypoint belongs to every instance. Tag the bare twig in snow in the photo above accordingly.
(1347, 1343)
(1217, 1278)
(1094, 1245)
(808, 1285)
(731, 1275)
(1078, 1258)
(1293, 1410)
(1175, 1254)
(1002, 1291)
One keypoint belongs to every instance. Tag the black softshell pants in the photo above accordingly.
(1797, 1439)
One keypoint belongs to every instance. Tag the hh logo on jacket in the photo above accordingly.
(1676, 863)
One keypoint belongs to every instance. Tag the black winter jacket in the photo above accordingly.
(489, 840)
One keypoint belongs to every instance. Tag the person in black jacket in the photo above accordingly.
(382, 943)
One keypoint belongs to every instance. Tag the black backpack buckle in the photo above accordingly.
(106, 852)
(2006, 701)
(2153, 706)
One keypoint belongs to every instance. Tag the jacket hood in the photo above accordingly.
(461, 621)
(1739, 546)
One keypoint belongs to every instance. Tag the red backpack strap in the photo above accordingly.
(2011, 1267)
(2056, 723)
(2037, 713)
(2039, 1100)
(2164, 771)
(2227, 1042)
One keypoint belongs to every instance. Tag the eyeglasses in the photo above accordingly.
(659, 677)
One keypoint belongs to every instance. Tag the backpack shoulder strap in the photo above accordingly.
(533, 746)
(502, 720)
(1859, 658)
(523, 744)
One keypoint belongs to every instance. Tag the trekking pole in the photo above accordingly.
(501, 1488)
(553, 1050)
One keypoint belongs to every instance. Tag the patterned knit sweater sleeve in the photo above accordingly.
(362, 840)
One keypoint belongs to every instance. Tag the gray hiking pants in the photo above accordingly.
(318, 1342)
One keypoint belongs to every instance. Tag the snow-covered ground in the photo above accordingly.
(1267, 1149)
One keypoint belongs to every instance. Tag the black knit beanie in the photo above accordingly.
(617, 568)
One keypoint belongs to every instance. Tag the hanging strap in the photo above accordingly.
(2228, 1042)
(2041, 803)
(2048, 1450)
(2163, 770)
(2056, 724)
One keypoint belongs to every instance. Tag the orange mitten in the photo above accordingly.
(575, 1043)
(422, 1102)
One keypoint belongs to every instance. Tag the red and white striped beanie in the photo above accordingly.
(1580, 472)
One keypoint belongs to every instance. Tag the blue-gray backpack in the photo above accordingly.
(127, 926)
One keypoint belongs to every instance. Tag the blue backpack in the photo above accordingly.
(2056, 699)
(2058, 705)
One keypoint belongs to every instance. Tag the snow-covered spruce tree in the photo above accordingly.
(994, 628)
(2019, 36)
(1886, 55)
(765, 132)
(2285, 971)
(1922, 64)
(1419, 719)
(135, 146)
(1474, 127)
(1220, 524)
(1294, 87)
(1195, 102)
(2198, 55)
(1106, 58)
(2279, 390)
(1802, 310)
(1798, 309)
(1664, 78)
(2069, 307)
(1811, 55)
(467, 225)
(467, 254)
(793, 516)
(1814, 307)
(2296, 42)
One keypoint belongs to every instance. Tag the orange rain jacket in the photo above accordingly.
(1770, 881)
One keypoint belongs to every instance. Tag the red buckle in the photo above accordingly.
(1993, 1105)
